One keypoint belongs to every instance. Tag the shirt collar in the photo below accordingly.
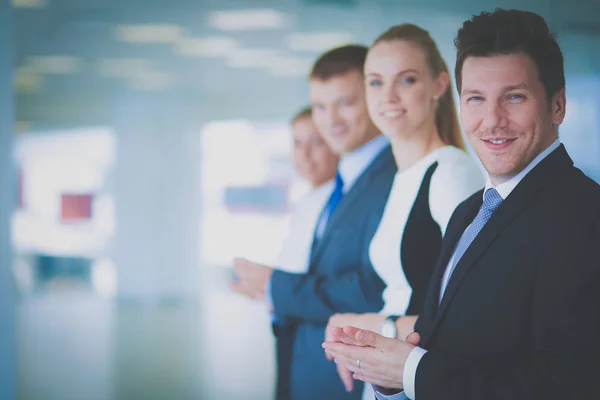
(504, 189)
(352, 165)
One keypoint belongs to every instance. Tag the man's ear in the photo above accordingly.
(558, 107)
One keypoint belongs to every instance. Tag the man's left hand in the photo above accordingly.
(381, 359)
(253, 278)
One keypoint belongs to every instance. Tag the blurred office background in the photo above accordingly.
(145, 144)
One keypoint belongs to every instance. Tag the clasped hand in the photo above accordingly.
(370, 357)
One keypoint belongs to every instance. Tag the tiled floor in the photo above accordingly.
(81, 347)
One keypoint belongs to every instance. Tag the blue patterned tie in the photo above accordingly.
(491, 201)
(332, 203)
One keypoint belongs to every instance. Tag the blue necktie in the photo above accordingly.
(491, 201)
(332, 203)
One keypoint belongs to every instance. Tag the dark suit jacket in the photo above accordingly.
(340, 279)
(520, 317)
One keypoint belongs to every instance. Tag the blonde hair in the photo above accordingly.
(446, 118)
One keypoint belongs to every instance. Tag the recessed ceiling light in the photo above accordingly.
(28, 3)
(317, 41)
(148, 33)
(152, 81)
(251, 58)
(244, 20)
(290, 66)
(123, 67)
(211, 46)
(54, 65)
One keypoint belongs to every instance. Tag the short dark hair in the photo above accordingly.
(306, 112)
(338, 61)
(512, 31)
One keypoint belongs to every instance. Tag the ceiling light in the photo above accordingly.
(152, 81)
(123, 67)
(148, 33)
(251, 58)
(54, 65)
(28, 3)
(244, 20)
(290, 66)
(318, 41)
(212, 46)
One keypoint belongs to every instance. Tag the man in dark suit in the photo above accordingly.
(340, 276)
(512, 309)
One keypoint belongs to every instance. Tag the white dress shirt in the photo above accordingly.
(504, 189)
(295, 251)
(352, 165)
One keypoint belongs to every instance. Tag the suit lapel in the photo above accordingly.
(455, 229)
(513, 205)
(382, 160)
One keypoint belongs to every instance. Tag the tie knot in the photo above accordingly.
(491, 199)
(339, 182)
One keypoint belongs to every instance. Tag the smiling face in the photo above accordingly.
(313, 159)
(400, 88)
(505, 112)
(340, 112)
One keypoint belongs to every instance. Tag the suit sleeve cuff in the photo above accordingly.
(268, 294)
(410, 371)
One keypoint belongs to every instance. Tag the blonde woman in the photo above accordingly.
(410, 100)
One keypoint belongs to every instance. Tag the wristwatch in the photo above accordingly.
(388, 328)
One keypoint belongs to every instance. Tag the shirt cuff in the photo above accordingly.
(410, 371)
(397, 396)
(269, 299)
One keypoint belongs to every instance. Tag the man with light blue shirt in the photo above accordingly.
(511, 311)
(340, 278)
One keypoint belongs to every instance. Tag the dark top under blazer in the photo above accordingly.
(520, 317)
(421, 244)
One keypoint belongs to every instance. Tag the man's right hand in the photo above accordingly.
(346, 375)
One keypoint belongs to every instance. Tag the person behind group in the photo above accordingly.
(340, 277)
(316, 164)
(512, 309)
(409, 98)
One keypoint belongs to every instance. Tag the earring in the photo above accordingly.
(436, 97)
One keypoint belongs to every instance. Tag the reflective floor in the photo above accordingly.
(82, 347)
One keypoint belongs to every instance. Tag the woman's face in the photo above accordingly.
(400, 88)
